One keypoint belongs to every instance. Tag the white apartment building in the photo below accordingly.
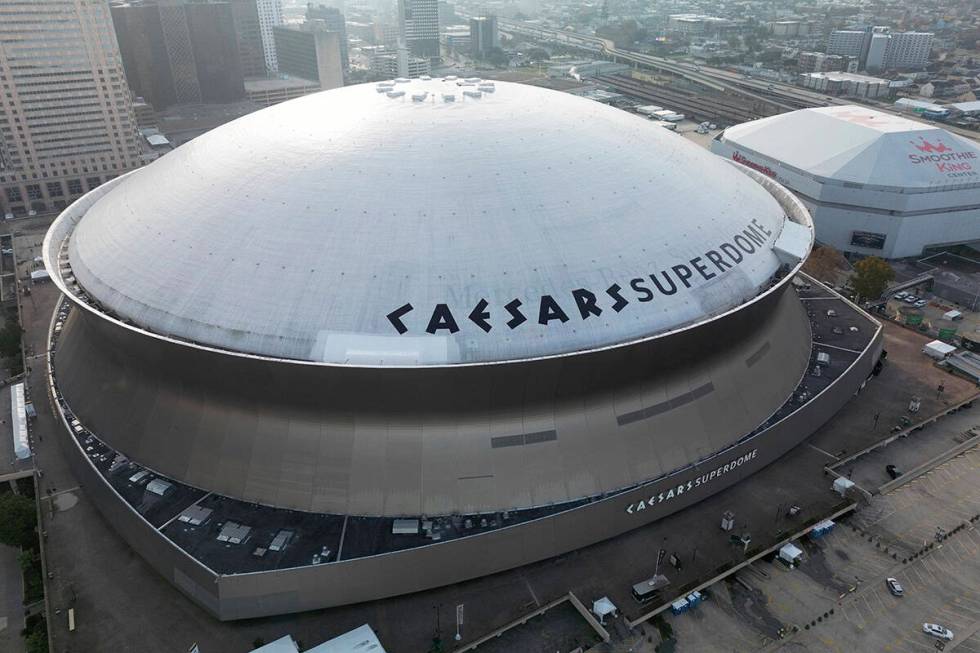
(270, 15)
(66, 116)
(908, 50)
(879, 48)
(847, 43)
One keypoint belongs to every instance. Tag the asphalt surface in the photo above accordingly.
(11, 598)
(772, 608)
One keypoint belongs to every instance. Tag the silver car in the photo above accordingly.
(937, 631)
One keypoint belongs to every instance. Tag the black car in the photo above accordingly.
(892, 471)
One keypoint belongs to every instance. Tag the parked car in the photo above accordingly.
(937, 631)
(901, 295)
(894, 587)
(892, 471)
(922, 303)
(910, 299)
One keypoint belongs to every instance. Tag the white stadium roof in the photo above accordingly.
(426, 222)
(851, 144)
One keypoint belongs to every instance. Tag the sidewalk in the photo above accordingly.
(11, 601)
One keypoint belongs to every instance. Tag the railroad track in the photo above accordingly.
(713, 108)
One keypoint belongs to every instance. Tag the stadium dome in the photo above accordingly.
(857, 145)
(875, 183)
(279, 355)
(428, 222)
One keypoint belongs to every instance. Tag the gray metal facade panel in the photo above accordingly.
(365, 445)
(262, 594)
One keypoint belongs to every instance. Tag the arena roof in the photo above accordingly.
(428, 222)
(852, 144)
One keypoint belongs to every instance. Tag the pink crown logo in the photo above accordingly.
(925, 146)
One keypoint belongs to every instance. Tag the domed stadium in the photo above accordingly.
(875, 183)
(393, 336)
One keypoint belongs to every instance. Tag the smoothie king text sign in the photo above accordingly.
(952, 161)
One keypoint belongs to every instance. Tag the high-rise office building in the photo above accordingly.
(483, 35)
(418, 23)
(248, 35)
(310, 52)
(270, 15)
(331, 19)
(66, 116)
(177, 53)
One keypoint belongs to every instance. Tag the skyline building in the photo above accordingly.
(248, 35)
(311, 52)
(878, 48)
(483, 35)
(333, 20)
(66, 115)
(177, 53)
(418, 24)
(270, 15)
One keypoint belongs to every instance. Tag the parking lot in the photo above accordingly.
(837, 599)
(906, 453)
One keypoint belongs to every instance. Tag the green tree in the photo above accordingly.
(538, 54)
(37, 642)
(10, 339)
(871, 277)
(26, 559)
(498, 57)
(17, 520)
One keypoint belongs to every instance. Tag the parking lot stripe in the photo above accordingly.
(917, 644)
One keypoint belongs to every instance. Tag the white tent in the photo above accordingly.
(602, 607)
(842, 485)
(790, 553)
(938, 350)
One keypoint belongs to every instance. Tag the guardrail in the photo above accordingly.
(901, 434)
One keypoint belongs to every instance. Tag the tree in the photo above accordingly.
(824, 264)
(498, 57)
(17, 520)
(538, 54)
(36, 642)
(871, 277)
(26, 559)
(10, 339)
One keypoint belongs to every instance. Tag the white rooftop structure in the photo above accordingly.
(875, 183)
(911, 104)
(850, 144)
(285, 644)
(967, 107)
(18, 422)
(360, 640)
(480, 219)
